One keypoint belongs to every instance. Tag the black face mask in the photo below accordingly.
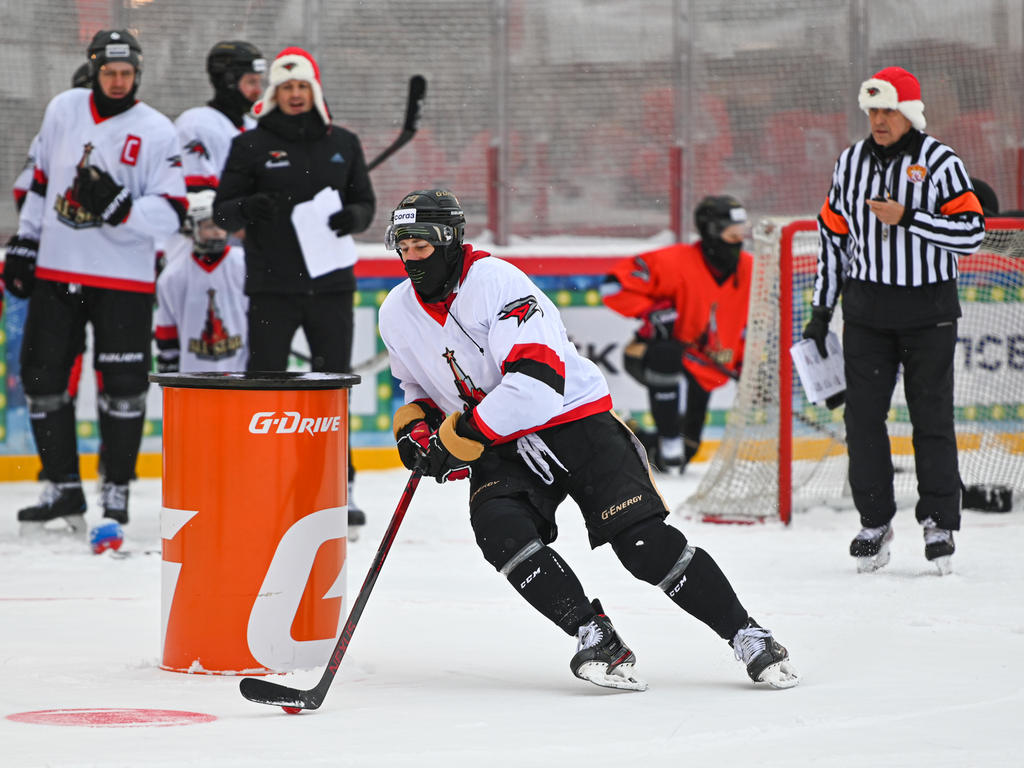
(231, 103)
(723, 256)
(107, 107)
(434, 277)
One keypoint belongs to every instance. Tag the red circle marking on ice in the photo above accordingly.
(112, 718)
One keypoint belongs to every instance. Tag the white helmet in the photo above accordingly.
(200, 208)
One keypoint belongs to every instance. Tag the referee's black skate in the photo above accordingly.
(58, 500)
(870, 547)
(939, 546)
(601, 656)
(766, 660)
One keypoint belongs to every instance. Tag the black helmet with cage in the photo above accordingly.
(228, 60)
(436, 216)
(714, 215)
(113, 45)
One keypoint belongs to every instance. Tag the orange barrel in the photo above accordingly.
(254, 520)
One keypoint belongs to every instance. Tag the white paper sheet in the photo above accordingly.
(322, 250)
(821, 378)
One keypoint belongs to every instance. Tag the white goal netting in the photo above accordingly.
(743, 481)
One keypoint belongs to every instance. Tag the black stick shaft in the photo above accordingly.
(413, 111)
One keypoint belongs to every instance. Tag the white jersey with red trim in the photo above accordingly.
(206, 134)
(205, 309)
(23, 183)
(139, 149)
(499, 348)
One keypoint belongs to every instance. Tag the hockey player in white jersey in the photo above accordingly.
(201, 320)
(236, 69)
(107, 182)
(496, 393)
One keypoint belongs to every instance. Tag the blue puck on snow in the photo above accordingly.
(106, 535)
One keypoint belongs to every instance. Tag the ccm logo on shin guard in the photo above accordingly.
(672, 592)
(529, 579)
(614, 510)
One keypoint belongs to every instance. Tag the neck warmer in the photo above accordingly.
(107, 107)
(434, 277)
(721, 257)
(232, 104)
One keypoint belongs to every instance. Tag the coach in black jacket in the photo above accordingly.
(292, 155)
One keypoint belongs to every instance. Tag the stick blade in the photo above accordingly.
(414, 106)
(275, 694)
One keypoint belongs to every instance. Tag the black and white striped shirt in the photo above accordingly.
(942, 220)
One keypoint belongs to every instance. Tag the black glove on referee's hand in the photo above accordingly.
(20, 266)
(101, 196)
(260, 206)
(343, 222)
(817, 328)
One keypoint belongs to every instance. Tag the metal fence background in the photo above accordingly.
(572, 116)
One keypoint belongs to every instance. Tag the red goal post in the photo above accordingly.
(779, 453)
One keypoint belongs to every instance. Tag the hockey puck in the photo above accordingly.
(292, 710)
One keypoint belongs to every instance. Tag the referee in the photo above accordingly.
(900, 212)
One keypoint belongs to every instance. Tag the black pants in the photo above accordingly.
(872, 358)
(325, 318)
(122, 324)
(663, 363)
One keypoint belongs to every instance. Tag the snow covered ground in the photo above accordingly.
(449, 668)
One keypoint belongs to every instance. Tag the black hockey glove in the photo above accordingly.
(817, 328)
(659, 321)
(412, 426)
(168, 362)
(259, 207)
(451, 452)
(343, 222)
(836, 400)
(101, 196)
(20, 266)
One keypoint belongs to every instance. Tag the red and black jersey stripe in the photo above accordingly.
(538, 362)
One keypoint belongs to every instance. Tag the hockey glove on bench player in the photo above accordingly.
(20, 266)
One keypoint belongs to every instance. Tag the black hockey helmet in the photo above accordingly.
(715, 213)
(82, 77)
(114, 45)
(228, 60)
(434, 215)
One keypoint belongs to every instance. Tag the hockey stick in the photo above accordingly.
(293, 699)
(413, 110)
(368, 367)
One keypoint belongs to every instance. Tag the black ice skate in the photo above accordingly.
(871, 548)
(356, 517)
(939, 546)
(601, 656)
(670, 455)
(58, 500)
(114, 500)
(766, 660)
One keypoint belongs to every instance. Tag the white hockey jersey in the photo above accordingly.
(23, 183)
(205, 135)
(205, 309)
(500, 348)
(139, 149)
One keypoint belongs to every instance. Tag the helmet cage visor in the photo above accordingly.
(436, 234)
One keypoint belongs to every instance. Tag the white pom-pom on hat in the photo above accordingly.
(894, 88)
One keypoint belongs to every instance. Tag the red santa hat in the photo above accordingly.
(894, 88)
(293, 64)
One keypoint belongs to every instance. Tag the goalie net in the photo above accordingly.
(780, 452)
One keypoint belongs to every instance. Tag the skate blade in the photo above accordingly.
(621, 677)
(944, 564)
(35, 529)
(780, 675)
(873, 563)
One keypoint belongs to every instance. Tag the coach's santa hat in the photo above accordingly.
(894, 88)
(293, 64)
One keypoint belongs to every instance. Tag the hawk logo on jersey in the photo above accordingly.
(69, 210)
(175, 161)
(469, 393)
(278, 159)
(917, 173)
(215, 342)
(196, 147)
(642, 271)
(521, 309)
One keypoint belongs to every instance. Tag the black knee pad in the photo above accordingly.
(504, 527)
(650, 549)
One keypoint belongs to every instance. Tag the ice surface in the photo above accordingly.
(448, 667)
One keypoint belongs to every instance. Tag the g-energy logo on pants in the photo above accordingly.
(292, 423)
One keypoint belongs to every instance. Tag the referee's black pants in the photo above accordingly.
(872, 358)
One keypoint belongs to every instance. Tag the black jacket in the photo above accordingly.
(291, 158)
